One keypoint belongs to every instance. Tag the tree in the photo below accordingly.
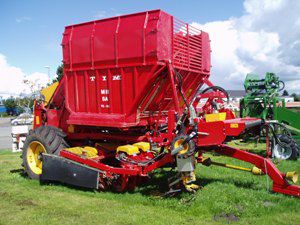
(285, 93)
(25, 103)
(296, 97)
(59, 73)
(10, 105)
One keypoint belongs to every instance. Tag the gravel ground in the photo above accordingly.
(5, 133)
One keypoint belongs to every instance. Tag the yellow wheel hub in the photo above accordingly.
(178, 143)
(34, 151)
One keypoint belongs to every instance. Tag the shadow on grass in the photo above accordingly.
(17, 171)
(257, 152)
(156, 185)
(251, 147)
(22, 173)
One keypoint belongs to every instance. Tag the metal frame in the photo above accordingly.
(146, 127)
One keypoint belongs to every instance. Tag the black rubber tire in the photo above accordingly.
(52, 138)
(292, 144)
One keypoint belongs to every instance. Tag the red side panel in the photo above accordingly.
(219, 130)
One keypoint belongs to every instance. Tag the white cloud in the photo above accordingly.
(264, 39)
(100, 14)
(23, 19)
(12, 79)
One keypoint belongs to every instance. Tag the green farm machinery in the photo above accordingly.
(262, 100)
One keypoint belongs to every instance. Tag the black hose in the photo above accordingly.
(268, 125)
(283, 85)
(216, 88)
(179, 76)
(123, 158)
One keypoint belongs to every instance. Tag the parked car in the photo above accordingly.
(22, 119)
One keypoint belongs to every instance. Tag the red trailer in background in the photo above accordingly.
(126, 105)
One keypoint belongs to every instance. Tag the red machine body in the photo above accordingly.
(137, 78)
(116, 71)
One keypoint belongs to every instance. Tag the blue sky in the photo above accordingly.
(247, 36)
(32, 30)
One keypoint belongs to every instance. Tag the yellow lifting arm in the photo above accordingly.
(48, 92)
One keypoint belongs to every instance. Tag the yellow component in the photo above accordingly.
(90, 150)
(48, 92)
(128, 149)
(37, 120)
(71, 128)
(87, 151)
(35, 149)
(75, 150)
(185, 147)
(234, 125)
(144, 146)
(215, 117)
(192, 187)
(193, 176)
(187, 179)
(256, 171)
(292, 176)
(237, 167)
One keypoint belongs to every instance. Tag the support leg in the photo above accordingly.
(280, 184)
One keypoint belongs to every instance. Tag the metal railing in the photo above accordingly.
(187, 47)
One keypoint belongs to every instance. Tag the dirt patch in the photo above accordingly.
(4, 194)
(27, 202)
(268, 204)
(229, 217)
(240, 208)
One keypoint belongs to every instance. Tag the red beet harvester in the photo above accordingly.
(127, 105)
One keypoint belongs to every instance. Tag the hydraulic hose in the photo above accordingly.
(198, 92)
(268, 125)
(179, 76)
(283, 85)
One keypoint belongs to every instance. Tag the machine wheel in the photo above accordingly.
(287, 149)
(45, 139)
(188, 148)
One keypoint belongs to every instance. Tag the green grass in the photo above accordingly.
(227, 197)
(295, 109)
